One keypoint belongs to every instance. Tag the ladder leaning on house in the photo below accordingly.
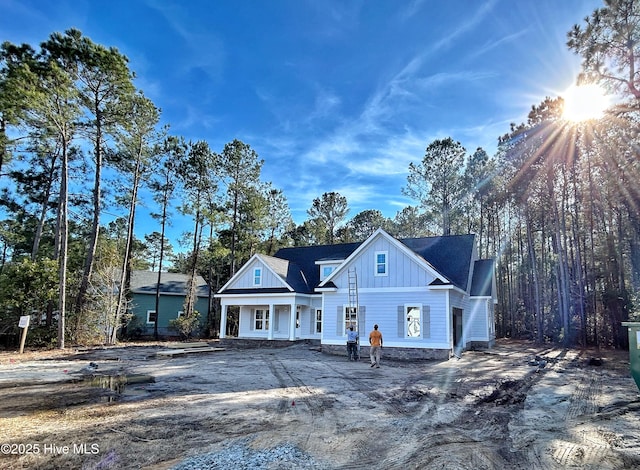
(353, 301)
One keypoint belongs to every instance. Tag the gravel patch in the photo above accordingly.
(239, 455)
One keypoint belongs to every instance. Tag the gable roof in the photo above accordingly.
(482, 281)
(380, 233)
(144, 282)
(280, 267)
(303, 273)
(450, 255)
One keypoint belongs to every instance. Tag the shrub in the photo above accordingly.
(186, 325)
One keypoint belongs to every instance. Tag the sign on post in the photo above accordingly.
(24, 324)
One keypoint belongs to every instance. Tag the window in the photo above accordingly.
(257, 277)
(261, 319)
(350, 318)
(180, 313)
(414, 321)
(326, 268)
(152, 317)
(318, 321)
(298, 309)
(381, 263)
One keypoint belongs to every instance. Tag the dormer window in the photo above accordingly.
(257, 277)
(326, 271)
(327, 267)
(381, 261)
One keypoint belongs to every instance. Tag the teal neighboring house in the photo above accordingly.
(173, 289)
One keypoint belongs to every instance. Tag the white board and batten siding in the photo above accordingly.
(383, 298)
(386, 309)
(402, 270)
(476, 323)
(268, 277)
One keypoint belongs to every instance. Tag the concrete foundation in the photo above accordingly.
(256, 343)
(392, 353)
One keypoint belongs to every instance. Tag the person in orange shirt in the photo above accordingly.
(375, 340)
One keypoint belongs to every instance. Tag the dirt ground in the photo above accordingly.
(516, 406)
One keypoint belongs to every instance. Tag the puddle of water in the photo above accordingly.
(122, 385)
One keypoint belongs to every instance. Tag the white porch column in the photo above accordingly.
(271, 318)
(223, 321)
(292, 322)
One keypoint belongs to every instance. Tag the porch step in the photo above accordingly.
(188, 350)
(192, 344)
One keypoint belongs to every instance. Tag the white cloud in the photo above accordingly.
(432, 83)
(205, 50)
(410, 9)
(471, 21)
(494, 44)
(325, 105)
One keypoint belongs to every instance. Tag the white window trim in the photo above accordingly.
(318, 320)
(352, 318)
(257, 273)
(149, 312)
(180, 313)
(406, 324)
(264, 319)
(386, 263)
(324, 274)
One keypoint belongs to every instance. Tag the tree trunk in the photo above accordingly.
(189, 303)
(126, 268)
(95, 223)
(234, 227)
(43, 211)
(3, 142)
(165, 202)
(536, 283)
(63, 234)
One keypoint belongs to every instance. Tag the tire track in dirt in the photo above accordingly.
(591, 445)
(584, 400)
(360, 386)
(510, 394)
(576, 445)
(413, 411)
(289, 389)
(322, 433)
(295, 389)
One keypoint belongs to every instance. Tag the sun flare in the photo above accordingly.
(584, 102)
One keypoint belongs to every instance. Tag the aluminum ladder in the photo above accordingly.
(352, 277)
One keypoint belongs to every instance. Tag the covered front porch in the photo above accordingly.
(277, 318)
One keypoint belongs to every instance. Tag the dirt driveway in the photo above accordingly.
(516, 406)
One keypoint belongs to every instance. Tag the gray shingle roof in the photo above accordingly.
(144, 282)
(449, 255)
(303, 273)
(278, 265)
(482, 282)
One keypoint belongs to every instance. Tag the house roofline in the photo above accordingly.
(447, 287)
(325, 289)
(167, 294)
(245, 267)
(397, 243)
(273, 294)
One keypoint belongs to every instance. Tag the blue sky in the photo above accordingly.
(334, 95)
